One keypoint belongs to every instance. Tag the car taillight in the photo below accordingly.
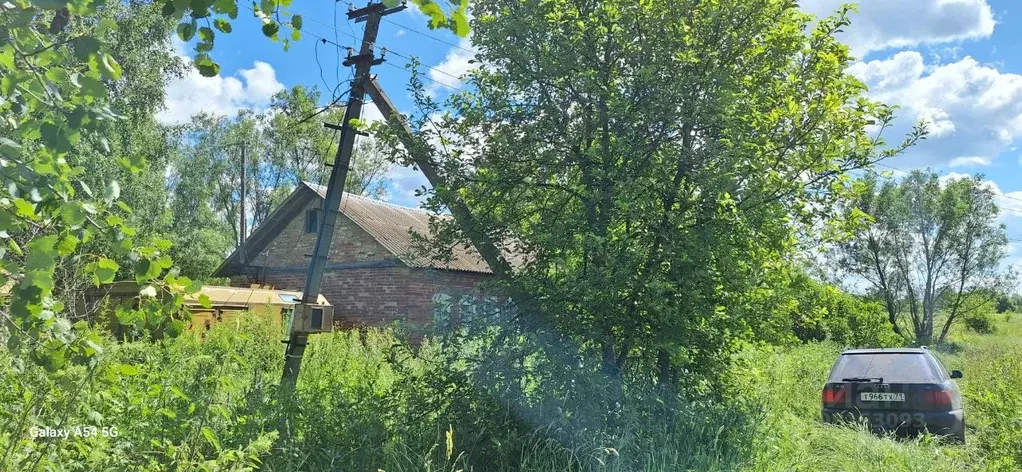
(833, 396)
(937, 399)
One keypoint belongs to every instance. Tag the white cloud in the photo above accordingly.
(404, 182)
(883, 24)
(456, 64)
(969, 161)
(192, 94)
(974, 111)
(371, 113)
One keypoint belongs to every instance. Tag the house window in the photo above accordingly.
(311, 221)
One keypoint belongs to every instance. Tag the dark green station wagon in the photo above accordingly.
(904, 390)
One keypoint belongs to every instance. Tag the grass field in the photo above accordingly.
(792, 438)
(186, 405)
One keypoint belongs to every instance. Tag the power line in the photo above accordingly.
(434, 38)
(304, 119)
(391, 51)
(456, 89)
(433, 68)
(384, 50)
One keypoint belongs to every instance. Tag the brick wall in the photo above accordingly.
(377, 295)
(293, 245)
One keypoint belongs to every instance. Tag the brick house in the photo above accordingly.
(373, 276)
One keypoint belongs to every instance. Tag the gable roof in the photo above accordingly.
(390, 225)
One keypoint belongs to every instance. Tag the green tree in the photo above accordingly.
(805, 309)
(283, 147)
(299, 147)
(60, 82)
(933, 253)
(147, 64)
(649, 164)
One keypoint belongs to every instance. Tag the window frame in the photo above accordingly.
(312, 221)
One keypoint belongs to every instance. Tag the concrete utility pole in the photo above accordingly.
(244, 218)
(365, 59)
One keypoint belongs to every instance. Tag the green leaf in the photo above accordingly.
(226, 7)
(128, 370)
(178, 393)
(296, 22)
(206, 34)
(112, 191)
(186, 30)
(92, 88)
(42, 253)
(104, 144)
(85, 47)
(435, 14)
(15, 248)
(106, 270)
(73, 213)
(7, 56)
(200, 8)
(106, 25)
(147, 292)
(223, 25)
(270, 29)
(211, 437)
(206, 66)
(24, 209)
(67, 245)
(110, 67)
(205, 301)
(58, 75)
(10, 148)
(50, 4)
(55, 137)
(94, 346)
(162, 244)
(460, 24)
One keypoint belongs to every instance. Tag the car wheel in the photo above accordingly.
(959, 436)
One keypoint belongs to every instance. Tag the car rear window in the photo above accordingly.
(892, 367)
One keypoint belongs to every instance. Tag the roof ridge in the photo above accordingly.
(316, 187)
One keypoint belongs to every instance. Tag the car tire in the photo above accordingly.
(959, 436)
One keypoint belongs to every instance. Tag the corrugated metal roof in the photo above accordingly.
(392, 226)
(220, 295)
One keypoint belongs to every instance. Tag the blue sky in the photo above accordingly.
(952, 63)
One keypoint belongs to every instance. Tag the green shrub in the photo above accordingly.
(809, 310)
(982, 323)
(369, 402)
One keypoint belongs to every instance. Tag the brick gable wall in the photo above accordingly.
(293, 246)
(367, 285)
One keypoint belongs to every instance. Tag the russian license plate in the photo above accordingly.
(881, 397)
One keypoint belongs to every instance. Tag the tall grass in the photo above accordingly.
(363, 405)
